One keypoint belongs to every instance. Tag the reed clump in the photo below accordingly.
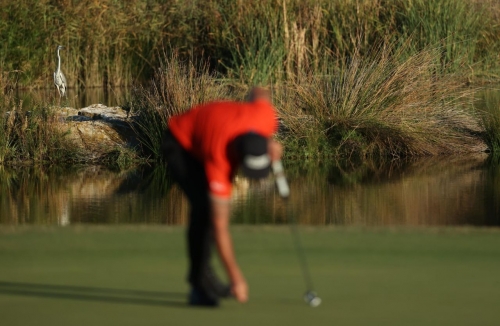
(34, 136)
(29, 135)
(388, 106)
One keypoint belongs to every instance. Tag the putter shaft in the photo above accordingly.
(284, 191)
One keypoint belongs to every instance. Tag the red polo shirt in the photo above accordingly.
(206, 130)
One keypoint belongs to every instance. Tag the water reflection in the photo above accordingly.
(451, 191)
(488, 99)
(430, 192)
(88, 195)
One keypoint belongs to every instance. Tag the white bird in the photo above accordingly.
(59, 79)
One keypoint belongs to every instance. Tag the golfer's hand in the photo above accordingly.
(240, 291)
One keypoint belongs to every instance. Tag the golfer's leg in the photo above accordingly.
(176, 158)
(201, 242)
(198, 242)
(190, 176)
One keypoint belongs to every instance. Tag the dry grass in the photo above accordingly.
(34, 136)
(177, 86)
(385, 106)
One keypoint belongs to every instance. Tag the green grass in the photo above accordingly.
(134, 275)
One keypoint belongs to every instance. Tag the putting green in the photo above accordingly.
(135, 275)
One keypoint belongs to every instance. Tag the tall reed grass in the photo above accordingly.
(112, 42)
(34, 136)
(106, 43)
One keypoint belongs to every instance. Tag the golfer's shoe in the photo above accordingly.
(199, 297)
(214, 285)
(224, 292)
(219, 289)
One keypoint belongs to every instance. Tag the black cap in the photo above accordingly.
(255, 161)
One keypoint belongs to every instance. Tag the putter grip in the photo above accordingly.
(281, 183)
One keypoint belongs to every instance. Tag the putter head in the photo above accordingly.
(312, 299)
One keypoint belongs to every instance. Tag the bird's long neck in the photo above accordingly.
(58, 61)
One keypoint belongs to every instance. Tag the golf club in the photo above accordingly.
(284, 190)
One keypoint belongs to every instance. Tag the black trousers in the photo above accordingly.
(190, 175)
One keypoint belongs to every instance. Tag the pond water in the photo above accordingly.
(77, 98)
(452, 191)
(427, 192)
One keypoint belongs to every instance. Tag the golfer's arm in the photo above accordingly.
(223, 241)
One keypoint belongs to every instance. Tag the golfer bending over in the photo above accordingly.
(204, 147)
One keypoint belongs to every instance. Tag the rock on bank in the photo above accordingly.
(98, 129)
